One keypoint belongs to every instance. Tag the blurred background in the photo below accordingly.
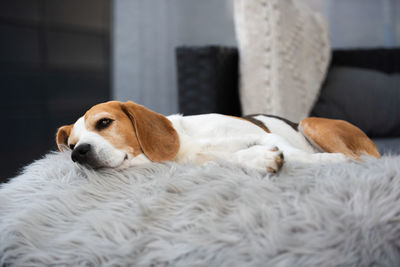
(60, 57)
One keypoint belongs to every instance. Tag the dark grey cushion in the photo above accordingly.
(366, 98)
(388, 146)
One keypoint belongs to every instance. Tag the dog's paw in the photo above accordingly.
(278, 160)
(262, 158)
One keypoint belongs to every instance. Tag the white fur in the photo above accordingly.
(279, 127)
(344, 214)
(104, 151)
(210, 137)
(213, 136)
(135, 161)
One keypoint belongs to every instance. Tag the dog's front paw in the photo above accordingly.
(278, 161)
(262, 158)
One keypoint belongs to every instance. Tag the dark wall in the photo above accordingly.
(54, 64)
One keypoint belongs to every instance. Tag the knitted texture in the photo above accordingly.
(284, 53)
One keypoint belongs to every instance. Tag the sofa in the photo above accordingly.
(362, 86)
(58, 213)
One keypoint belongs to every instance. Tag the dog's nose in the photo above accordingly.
(80, 153)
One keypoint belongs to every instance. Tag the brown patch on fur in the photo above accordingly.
(288, 122)
(338, 136)
(121, 133)
(259, 123)
(155, 133)
(62, 136)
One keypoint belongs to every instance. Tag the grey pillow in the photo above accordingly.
(368, 99)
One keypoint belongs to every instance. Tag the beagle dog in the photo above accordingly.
(118, 135)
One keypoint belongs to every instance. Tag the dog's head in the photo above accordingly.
(116, 134)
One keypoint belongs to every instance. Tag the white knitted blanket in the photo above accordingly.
(284, 53)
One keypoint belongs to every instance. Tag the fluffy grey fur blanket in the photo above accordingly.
(56, 213)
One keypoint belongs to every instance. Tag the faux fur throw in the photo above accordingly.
(58, 214)
(284, 53)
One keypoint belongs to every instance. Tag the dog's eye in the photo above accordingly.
(103, 123)
(72, 146)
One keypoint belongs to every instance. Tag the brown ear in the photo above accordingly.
(156, 135)
(62, 136)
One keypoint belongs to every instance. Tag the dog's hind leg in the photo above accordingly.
(295, 154)
(338, 136)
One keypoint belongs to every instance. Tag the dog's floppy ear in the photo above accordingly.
(62, 136)
(156, 135)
